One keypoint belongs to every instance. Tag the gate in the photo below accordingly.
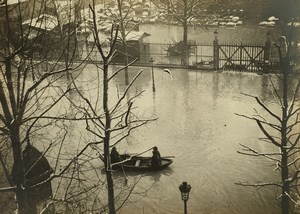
(241, 57)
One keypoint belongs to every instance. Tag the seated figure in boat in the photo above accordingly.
(156, 159)
(114, 155)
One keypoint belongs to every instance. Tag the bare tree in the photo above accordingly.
(40, 109)
(281, 129)
(30, 60)
(183, 11)
(124, 19)
(113, 120)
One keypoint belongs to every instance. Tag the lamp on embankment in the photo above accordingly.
(216, 50)
(216, 34)
(151, 64)
(185, 191)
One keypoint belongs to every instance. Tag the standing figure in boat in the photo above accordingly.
(114, 155)
(156, 159)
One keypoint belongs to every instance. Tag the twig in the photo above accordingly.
(265, 107)
(255, 153)
(258, 184)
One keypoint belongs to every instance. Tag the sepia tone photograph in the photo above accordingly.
(149, 106)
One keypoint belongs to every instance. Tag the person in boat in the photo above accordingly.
(114, 155)
(156, 158)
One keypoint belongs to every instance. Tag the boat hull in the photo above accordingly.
(139, 163)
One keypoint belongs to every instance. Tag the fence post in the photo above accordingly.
(241, 56)
(267, 50)
(216, 51)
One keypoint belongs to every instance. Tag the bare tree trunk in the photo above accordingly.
(110, 182)
(185, 33)
(12, 119)
(288, 155)
(109, 129)
(18, 174)
(126, 63)
(284, 163)
(284, 158)
(123, 35)
(185, 45)
(185, 24)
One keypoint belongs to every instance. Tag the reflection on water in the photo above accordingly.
(197, 124)
(244, 34)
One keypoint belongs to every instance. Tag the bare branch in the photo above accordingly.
(297, 111)
(255, 153)
(258, 184)
(68, 165)
(118, 71)
(37, 83)
(264, 107)
(293, 100)
(274, 126)
(294, 161)
(95, 32)
(8, 189)
(127, 89)
(293, 151)
(89, 104)
(267, 134)
(44, 112)
(290, 197)
(295, 142)
(132, 128)
(129, 193)
(276, 96)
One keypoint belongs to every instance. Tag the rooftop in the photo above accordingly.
(10, 2)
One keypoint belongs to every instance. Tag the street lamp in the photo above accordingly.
(153, 83)
(185, 190)
(216, 50)
(216, 34)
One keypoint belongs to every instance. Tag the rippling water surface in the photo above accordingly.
(197, 124)
(234, 35)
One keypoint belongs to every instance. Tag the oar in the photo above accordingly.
(131, 156)
(143, 152)
(168, 157)
(126, 180)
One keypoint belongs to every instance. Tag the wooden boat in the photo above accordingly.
(139, 163)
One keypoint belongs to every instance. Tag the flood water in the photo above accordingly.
(254, 34)
(197, 124)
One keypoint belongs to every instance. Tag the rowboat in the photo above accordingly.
(139, 163)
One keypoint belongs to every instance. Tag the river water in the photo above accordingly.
(197, 124)
(248, 34)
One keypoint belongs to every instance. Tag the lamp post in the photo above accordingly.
(216, 34)
(216, 50)
(185, 190)
(152, 74)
